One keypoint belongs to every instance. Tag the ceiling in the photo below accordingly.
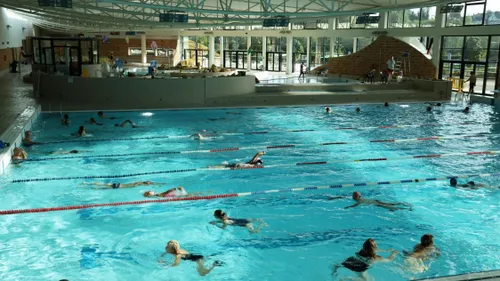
(126, 15)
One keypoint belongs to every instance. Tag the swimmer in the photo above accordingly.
(216, 119)
(117, 185)
(27, 141)
(65, 120)
(363, 260)
(19, 155)
(432, 104)
(125, 123)
(81, 132)
(358, 109)
(175, 249)
(428, 109)
(256, 161)
(328, 110)
(466, 110)
(93, 122)
(386, 104)
(469, 185)
(356, 196)
(173, 192)
(74, 151)
(233, 113)
(223, 220)
(421, 252)
(102, 116)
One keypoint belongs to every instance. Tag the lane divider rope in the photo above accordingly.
(241, 194)
(260, 147)
(262, 167)
(260, 133)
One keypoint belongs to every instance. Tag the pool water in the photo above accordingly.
(307, 233)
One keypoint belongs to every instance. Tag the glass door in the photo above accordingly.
(74, 65)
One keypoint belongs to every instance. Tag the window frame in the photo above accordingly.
(472, 3)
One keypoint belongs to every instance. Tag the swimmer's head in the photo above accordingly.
(204, 131)
(328, 110)
(427, 240)
(369, 248)
(358, 109)
(356, 195)
(219, 214)
(147, 182)
(386, 104)
(472, 183)
(27, 134)
(438, 104)
(81, 130)
(453, 182)
(429, 108)
(149, 193)
(259, 162)
(66, 116)
(74, 151)
(466, 109)
(181, 189)
(173, 247)
(99, 113)
(92, 120)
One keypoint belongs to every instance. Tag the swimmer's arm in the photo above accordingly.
(129, 185)
(98, 184)
(352, 206)
(218, 224)
(177, 260)
(336, 197)
(389, 259)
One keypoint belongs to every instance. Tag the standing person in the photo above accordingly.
(391, 63)
(302, 71)
(472, 83)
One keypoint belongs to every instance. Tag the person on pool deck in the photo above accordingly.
(175, 249)
(469, 185)
(65, 120)
(122, 185)
(414, 260)
(363, 260)
(466, 110)
(93, 122)
(173, 192)
(356, 196)
(125, 123)
(256, 161)
(223, 220)
(102, 116)
(19, 155)
(358, 109)
(328, 110)
(28, 141)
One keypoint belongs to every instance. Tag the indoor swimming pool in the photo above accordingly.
(305, 233)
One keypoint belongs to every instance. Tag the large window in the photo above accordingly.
(492, 15)
(342, 46)
(452, 48)
(362, 42)
(475, 48)
(478, 12)
(412, 18)
(350, 22)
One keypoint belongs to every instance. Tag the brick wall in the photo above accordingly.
(377, 54)
(119, 48)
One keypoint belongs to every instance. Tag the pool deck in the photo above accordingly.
(493, 275)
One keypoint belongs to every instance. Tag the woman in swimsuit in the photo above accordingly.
(363, 259)
(174, 248)
(117, 185)
(19, 155)
(223, 220)
(421, 252)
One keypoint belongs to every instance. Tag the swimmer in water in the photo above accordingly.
(421, 252)
(65, 120)
(93, 122)
(28, 141)
(173, 192)
(469, 185)
(466, 110)
(358, 109)
(102, 116)
(432, 104)
(256, 161)
(117, 185)
(428, 109)
(223, 221)
(62, 152)
(356, 196)
(386, 104)
(328, 110)
(364, 259)
(125, 123)
(19, 155)
(175, 249)
(81, 132)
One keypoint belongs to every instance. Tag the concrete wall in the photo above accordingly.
(13, 36)
(132, 93)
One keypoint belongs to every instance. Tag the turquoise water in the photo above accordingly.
(306, 235)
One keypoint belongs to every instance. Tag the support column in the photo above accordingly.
(308, 53)
(144, 52)
(249, 54)
(382, 24)
(354, 45)
(264, 53)
(332, 46)
(436, 45)
(289, 54)
(211, 50)
(221, 51)
(332, 24)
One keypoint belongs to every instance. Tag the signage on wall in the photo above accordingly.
(174, 17)
(276, 22)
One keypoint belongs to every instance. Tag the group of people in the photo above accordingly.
(82, 130)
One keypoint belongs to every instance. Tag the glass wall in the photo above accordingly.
(320, 51)
(276, 54)
(255, 52)
(412, 18)
(462, 55)
(299, 52)
(362, 42)
(350, 23)
(342, 46)
(480, 12)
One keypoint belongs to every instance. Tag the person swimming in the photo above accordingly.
(93, 122)
(386, 104)
(469, 185)
(125, 123)
(414, 260)
(19, 155)
(81, 132)
(364, 259)
(428, 109)
(122, 185)
(102, 116)
(65, 120)
(74, 151)
(173, 192)
(254, 162)
(173, 247)
(328, 110)
(356, 196)
(223, 220)
(358, 109)
(466, 110)
(28, 141)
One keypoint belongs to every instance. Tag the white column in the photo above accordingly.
(143, 49)
(436, 45)
(221, 46)
(289, 54)
(264, 53)
(332, 24)
(211, 50)
(249, 56)
(332, 46)
(382, 24)
(354, 45)
(308, 53)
